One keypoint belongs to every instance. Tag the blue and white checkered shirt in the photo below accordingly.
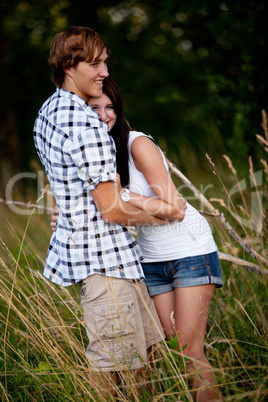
(78, 153)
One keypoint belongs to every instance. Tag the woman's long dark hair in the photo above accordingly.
(120, 131)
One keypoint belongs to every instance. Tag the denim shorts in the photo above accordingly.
(164, 276)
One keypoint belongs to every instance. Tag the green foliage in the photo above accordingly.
(176, 350)
(183, 67)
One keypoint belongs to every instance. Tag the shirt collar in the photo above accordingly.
(75, 98)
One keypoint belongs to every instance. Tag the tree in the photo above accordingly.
(192, 73)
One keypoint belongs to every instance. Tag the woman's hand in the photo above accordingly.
(54, 217)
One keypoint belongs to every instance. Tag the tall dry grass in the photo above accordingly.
(42, 334)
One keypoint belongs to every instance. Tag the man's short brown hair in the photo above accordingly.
(71, 46)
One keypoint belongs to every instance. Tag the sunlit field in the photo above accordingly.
(42, 334)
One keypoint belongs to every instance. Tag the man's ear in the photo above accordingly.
(68, 71)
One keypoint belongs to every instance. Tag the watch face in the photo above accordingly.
(125, 196)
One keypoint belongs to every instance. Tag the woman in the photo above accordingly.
(180, 263)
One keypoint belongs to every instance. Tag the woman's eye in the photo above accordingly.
(110, 107)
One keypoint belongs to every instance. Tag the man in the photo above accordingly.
(90, 245)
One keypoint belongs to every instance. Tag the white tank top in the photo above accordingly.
(175, 240)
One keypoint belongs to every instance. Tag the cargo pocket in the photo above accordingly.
(120, 352)
(115, 327)
(114, 320)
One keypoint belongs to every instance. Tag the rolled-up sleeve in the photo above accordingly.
(93, 153)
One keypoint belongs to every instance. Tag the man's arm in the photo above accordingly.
(113, 210)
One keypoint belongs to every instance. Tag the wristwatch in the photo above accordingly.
(125, 196)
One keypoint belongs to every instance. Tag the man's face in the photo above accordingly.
(86, 79)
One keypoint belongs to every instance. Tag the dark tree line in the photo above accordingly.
(192, 73)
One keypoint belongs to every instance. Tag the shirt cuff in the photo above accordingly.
(103, 176)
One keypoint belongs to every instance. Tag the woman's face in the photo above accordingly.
(105, 109)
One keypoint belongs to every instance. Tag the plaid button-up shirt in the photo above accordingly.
(78, 153)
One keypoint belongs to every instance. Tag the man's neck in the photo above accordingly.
(69, 85)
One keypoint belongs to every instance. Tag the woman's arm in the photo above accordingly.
(113, 210)
(169, 203)
(159, 208)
